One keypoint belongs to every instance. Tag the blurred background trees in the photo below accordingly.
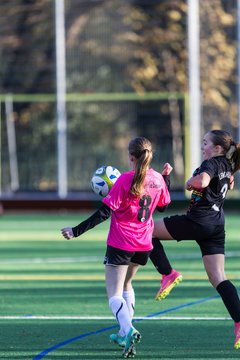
(112, 46)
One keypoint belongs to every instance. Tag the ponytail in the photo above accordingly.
(230, 148)
(234, 157)
(141, 149)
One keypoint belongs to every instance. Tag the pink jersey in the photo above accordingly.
(131, 221)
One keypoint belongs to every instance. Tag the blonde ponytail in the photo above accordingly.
(141, 149)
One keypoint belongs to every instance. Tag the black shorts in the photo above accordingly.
(116, 257)
(210, 238)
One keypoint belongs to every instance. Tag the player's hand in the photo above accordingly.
(167, 168)
(231, 185)
(188, 187)
(67, 233)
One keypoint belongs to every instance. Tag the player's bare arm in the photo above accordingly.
(200, 181)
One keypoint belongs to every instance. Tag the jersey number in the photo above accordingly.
(144, 211)
(224, 190)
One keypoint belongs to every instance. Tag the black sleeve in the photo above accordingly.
(167, 181)
(161, 208)
(102, 214)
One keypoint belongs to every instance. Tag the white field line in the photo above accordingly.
(52, 260)
(80, 259)
(154, 318)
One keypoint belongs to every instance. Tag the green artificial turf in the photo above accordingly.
(52, 293)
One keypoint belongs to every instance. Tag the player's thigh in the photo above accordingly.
(132, 270)
(115, 277)
(160, 231)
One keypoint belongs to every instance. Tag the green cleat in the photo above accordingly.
(117, 339)
(132, 338)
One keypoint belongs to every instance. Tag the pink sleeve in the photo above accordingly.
(116, 194)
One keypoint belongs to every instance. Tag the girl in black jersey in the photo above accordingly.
(204, 220)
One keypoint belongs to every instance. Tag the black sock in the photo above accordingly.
(229, 296)
(159, 258)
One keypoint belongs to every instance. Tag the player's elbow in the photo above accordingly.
(204, 180)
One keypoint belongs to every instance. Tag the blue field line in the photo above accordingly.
(63, 343)
(179, 307)
(57, 346)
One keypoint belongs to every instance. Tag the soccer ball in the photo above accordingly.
(103, 179)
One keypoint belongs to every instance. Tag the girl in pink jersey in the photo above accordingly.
(131, 203)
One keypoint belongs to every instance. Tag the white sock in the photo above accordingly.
(129, 297)
(120, 310)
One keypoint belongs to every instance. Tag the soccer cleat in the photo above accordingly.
(167, 284)
(117, 339)
(237, 334)
(132, 352)
(132, 338)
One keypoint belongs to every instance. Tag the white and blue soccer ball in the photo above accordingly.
(103, 179)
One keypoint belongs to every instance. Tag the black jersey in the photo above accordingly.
(206, 205)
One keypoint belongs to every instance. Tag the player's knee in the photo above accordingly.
(216, 278)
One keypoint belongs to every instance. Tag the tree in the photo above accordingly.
(115, 46)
